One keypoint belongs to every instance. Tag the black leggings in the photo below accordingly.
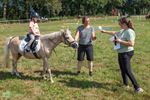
(125, 67)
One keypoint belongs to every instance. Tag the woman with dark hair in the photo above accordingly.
(85, 33)
(126, 38)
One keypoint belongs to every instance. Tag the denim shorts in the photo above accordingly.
(85, 49)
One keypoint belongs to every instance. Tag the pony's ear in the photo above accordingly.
(67, 30)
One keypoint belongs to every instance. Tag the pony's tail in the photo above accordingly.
(6, 53)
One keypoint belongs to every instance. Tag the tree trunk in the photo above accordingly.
(4, 11)
(27, 9)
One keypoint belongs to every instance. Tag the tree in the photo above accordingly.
(4, 8)
(20, 9)
(47, 7)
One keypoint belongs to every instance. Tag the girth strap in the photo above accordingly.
(35, 54)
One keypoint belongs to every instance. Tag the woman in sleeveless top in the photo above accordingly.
(85, 34)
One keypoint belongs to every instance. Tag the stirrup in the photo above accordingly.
(27, 49)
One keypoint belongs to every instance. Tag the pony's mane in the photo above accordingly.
(51, 35)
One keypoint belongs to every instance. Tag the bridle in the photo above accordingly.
(66, 40)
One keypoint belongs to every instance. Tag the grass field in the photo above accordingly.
(106, 83)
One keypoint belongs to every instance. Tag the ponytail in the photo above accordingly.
(126, 21)
(129, 24)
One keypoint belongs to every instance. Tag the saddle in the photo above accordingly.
(35, 46)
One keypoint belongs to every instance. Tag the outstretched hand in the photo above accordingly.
(103, 31)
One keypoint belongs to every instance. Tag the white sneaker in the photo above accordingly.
(139, 90)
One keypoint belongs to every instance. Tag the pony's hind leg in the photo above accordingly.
(14, 65)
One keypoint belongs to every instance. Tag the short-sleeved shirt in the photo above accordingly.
(126, 35)
(34, 26)
(85, 35)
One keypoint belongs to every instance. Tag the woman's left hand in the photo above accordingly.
(118, 40)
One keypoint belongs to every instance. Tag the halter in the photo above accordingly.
(66, 41)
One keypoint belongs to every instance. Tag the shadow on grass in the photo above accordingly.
(84, 84)
(8, 75)
(57, 72)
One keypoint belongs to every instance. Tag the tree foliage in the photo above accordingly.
(20, 9)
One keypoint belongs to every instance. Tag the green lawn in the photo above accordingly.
(106, 83)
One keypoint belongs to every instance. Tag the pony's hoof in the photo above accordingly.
(44, 78)
(18, 75)
(12, 73)
(52, 81)
(15, 74)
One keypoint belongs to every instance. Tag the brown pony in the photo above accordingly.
(48, 43)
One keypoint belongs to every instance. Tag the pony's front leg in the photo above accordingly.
(45, 67)
(50, 75)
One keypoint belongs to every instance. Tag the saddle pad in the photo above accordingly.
(23, 44)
